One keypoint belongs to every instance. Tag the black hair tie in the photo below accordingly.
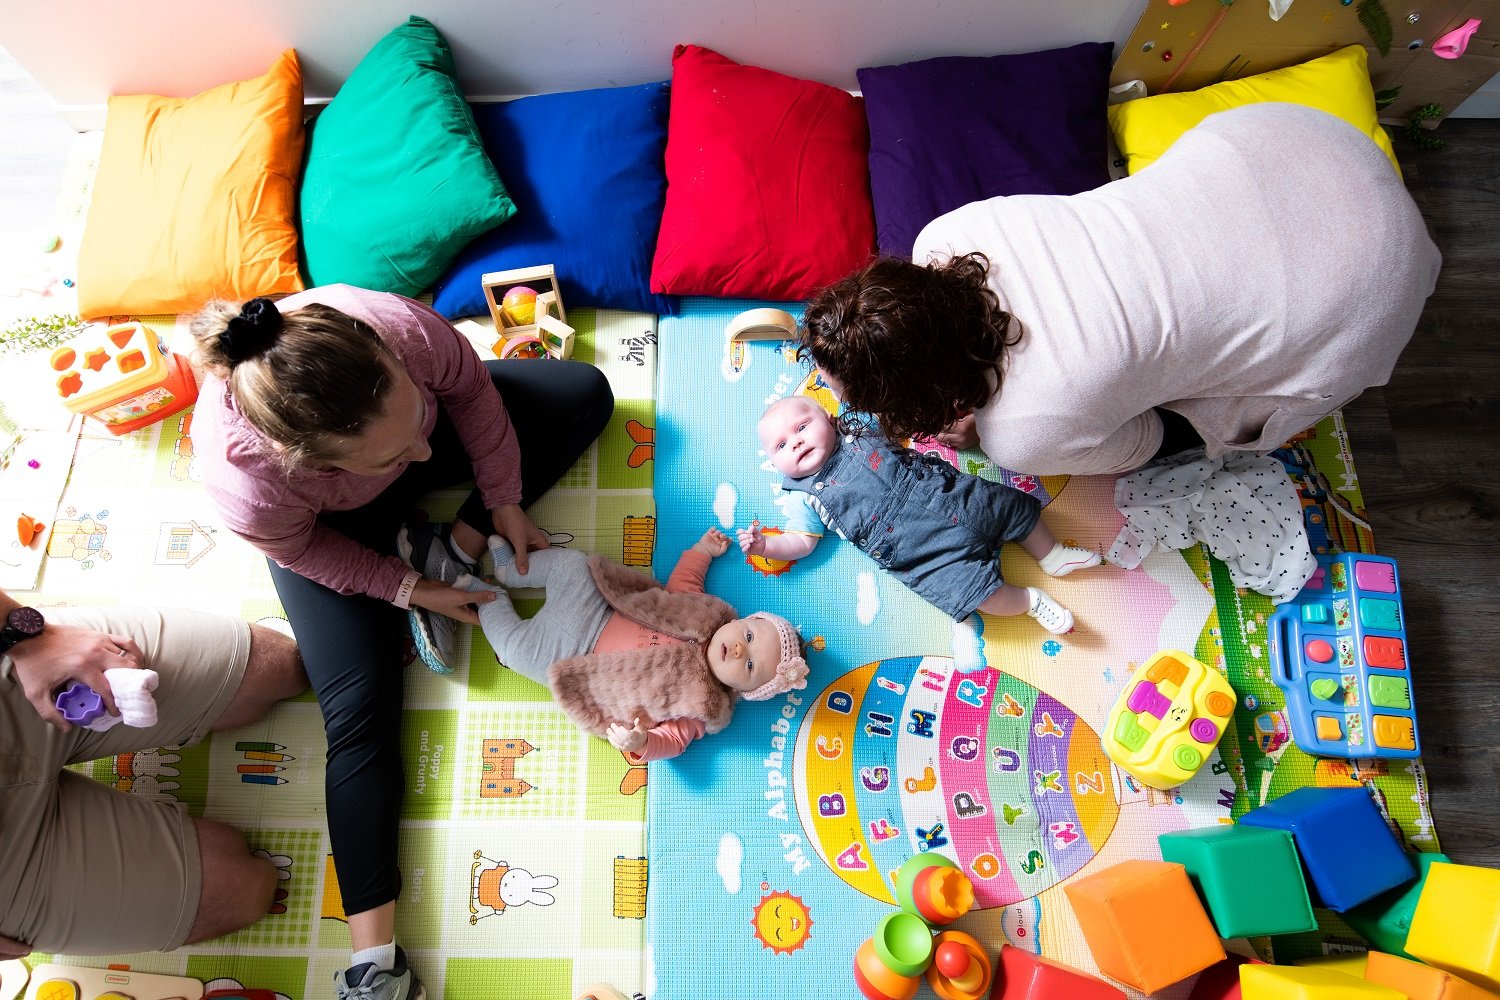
(252, 332)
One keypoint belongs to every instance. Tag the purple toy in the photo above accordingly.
(79, 703)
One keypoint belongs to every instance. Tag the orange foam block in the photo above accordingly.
(1286, 982)
(1144, 923)
(1421, 982)
(1020, 975)
(1456, 926)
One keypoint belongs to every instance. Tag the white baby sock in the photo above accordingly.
(1064, 559)
(1052, 616)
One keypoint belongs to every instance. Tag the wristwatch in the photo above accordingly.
(22, 623)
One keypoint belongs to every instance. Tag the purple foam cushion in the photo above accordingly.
(945, 132)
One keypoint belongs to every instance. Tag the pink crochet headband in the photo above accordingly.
(791, 671)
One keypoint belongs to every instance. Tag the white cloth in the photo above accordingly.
(132, 691)
(1243, 507)
(1263, 272)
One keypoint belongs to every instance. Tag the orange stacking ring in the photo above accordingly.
(875, 979)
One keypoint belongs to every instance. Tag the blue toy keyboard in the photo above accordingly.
(1339, 652)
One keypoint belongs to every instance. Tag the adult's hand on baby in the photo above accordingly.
(63, 654)
(451, 602)
(962, 433)
(512, 524)
(752, 542)
(627, 739)
(714, 543)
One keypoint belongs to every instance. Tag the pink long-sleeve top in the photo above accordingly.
(669, 737)
(277, 511)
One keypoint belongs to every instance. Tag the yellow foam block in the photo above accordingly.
(1456, 926)
(1285, 982)
(1422, 982)
(1350, 963)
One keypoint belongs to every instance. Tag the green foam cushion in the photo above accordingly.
(397, 180)
(1249, 878)
(1384, 920)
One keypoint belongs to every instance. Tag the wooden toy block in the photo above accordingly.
(1248, 877)
(1456, 926)
(1144, 923)
(60, 982)
(1422, 982)
(1221, 981)
(526, 305)
(1020, 975)
(1385, 920)
(1286, 982)
(1349, 853)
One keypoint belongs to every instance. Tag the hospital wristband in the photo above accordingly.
(408, 587)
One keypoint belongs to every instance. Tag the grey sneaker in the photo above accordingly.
(424, 547)
(365, 982)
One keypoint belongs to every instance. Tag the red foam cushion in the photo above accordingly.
(768, 187)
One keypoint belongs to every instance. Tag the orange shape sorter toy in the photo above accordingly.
(122, 376)
(1144, 923)
(1421, 982)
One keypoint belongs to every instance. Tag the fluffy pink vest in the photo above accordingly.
(652, 685)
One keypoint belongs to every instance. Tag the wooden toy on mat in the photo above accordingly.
(1285, 982)
(1385, 920)
(74, 982)
(1170, 715)
(1144, 923)
(1020, 975)
(527, 307)
(1249, 878)
(1457, 923)
(1421, 982)
(1348, 851)
(122, 376)
(1338, 650)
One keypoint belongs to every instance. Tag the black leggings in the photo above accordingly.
(352, 644)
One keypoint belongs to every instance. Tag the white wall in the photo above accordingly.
(82, 51)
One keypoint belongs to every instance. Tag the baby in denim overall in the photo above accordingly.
(939, 531)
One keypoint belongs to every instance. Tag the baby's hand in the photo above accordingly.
(628, 740)
(713, 543)
(752, 542)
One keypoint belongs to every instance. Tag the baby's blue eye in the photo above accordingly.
(780, 445)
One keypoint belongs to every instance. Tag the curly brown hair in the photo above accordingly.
(915, 346)
(308, 380)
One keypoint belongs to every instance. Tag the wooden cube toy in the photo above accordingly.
(1144, 923)
(526, 305)
(1249, 878)
(1286, 982)
(1421, 982)
(1348, 851)
(1456, 926)
(1385, 920)
(1020, 975)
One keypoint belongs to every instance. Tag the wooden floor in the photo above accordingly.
(1427, 447)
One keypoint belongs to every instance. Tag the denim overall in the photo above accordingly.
(939, 531)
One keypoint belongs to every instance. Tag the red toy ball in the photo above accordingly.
(952, 959)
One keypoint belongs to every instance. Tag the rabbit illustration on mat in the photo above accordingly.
(518, 887)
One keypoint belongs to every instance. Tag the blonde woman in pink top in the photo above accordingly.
(324, 418)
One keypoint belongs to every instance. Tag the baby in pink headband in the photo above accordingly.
(650, 667)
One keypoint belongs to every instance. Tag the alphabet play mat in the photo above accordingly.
(757, 862)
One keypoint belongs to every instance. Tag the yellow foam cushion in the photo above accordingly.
(1284, 982)
(1338, 83)
(195, 198)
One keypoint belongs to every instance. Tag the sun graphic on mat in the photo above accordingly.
(781, 922)
(767, 566)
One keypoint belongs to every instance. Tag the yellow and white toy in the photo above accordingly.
(1168, 718)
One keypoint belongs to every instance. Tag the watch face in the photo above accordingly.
(26, 621)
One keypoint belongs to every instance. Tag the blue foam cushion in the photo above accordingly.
(1349, 852)
(585, 170)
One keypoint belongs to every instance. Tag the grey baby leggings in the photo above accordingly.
(568, 624)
